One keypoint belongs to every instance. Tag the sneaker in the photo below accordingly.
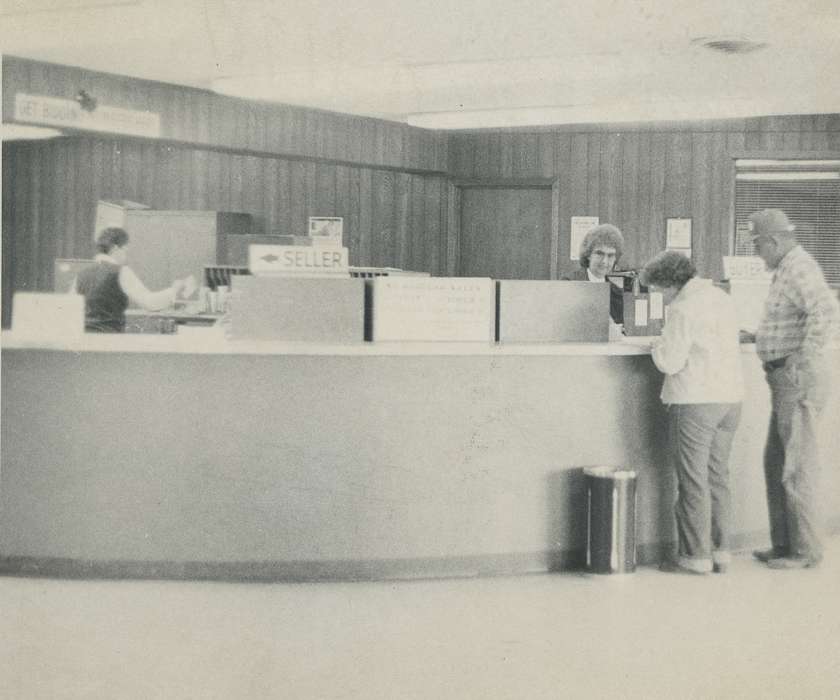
(670, 566)
(793, 563)
(765, 555)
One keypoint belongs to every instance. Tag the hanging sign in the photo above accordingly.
(40, 109)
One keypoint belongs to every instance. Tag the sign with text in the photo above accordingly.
(40, 109)
(454, 309)
(298, 260)
(326, 230)
(745, 267)
(678, 233)
(580, 226)
(749, 297)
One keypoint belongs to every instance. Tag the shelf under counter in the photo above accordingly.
(166, 321)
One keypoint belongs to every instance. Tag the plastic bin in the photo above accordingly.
(611, 520)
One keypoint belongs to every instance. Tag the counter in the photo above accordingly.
(193, 456)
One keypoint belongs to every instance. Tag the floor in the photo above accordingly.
(752, 633)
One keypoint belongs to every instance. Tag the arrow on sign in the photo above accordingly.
(270, 258)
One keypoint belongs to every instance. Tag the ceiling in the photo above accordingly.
(465, 64)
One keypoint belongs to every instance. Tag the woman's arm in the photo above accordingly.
(140, 295)
(670, 351)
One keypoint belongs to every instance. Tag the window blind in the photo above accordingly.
(810, 199)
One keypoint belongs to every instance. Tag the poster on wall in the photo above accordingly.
(678, 234)
(581, 225)
(326, 230)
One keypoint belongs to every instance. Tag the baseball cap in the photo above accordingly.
(769, 221)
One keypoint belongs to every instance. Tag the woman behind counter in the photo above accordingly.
(109, 284)
(600, 250)
(699, 353)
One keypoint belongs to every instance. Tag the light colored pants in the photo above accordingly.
(791, 461)
(700, 440)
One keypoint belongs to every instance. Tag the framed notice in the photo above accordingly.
(581, 225)
(326, 229)
(678, 234)
(745, 267)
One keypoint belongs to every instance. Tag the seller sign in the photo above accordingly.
(298, 260)
(54, 111)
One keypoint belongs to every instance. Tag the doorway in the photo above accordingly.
(506, 231)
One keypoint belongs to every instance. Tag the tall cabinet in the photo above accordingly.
(167, 245)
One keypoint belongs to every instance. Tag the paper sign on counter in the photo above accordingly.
(641, 313)
(655, 305)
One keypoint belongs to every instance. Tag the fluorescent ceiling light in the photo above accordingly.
(602, 112)
(819, 175)
(20, 132)
(29, 7)
(769, 163)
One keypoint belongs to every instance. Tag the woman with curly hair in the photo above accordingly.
(699, 353)
(600, 250)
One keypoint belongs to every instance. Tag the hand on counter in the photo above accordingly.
(184, 288)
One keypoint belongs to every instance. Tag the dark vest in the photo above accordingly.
(105, 301)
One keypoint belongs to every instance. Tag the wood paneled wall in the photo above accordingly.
(638, 176)
(392, 183)
(50, 191)
(204, 118)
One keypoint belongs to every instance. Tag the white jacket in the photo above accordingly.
(699, 351)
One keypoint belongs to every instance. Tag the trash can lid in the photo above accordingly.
(609, 472)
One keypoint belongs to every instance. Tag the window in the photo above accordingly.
(809, 193)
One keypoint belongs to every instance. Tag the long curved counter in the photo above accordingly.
(194, 456)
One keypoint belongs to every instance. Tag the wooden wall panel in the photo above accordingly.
(645, 173)
(436, 231)
(563, 168)
(506, 233)
(416, 246)
(384, 238)
(628, 199)
(362, 253)
(593, 174)
(402, 219)
(610, 177)
(50, 191)
(204, 118)
(700, 186)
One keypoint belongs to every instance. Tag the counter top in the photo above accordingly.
(212, 341)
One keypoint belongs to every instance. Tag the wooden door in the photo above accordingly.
(505, 232)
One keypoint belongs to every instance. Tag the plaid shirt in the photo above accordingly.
(801, 312)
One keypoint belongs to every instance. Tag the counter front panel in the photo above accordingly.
(300, 466)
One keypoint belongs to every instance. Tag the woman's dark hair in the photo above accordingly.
(604, 234)
(668, 269)
(110, 237)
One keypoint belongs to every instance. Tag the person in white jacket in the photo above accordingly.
(699, 353)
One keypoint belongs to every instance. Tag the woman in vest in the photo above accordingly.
(109, 284)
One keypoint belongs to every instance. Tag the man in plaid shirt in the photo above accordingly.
(801, 314)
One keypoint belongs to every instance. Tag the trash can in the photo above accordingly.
(611, 520)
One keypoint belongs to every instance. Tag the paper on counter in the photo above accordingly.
(641, 312)
(655, 305)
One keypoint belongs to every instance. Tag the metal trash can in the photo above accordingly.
(611, 520)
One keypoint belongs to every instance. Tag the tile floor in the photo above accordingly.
(752, 633)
